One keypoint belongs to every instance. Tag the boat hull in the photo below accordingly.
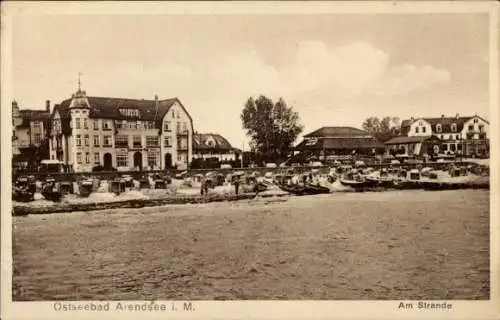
(296, 190)
(359, 184)
(23, 196)
(52, 195)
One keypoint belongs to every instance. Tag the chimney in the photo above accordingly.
(47, 106)
(156, 105)
(412, 118)
(458, 115)
(442, 116)
(14, 104)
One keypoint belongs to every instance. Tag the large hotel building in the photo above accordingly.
(124, 134)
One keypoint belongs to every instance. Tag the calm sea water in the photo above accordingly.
(384, 245)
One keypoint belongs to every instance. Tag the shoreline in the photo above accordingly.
(24, 210)
(20, 210)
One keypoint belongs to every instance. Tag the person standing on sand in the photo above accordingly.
(236, 184)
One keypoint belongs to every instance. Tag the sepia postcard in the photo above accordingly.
(250, 160)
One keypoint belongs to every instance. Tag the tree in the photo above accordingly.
(383, 129)
(372, 125)
(272, 127)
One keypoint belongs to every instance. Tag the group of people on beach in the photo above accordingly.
(208, 183)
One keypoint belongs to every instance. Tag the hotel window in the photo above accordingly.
(481, 128)
(179, 157)
(475, 120)
(173, 114)
(87, 157)
(129, 112)
(439, 128)
(78, 140)
(121, 141)
(423, 129)
(416, 129)
(96, 141)
(105, 125)
(122, 160)
(37, 138)
(137, 141)
(152, 141)
(97, 158)
(471, 127)
(442, 137)
(85, 123)
(78, 157)
(107, 141)
(152, 159)
(96, 124)
(77, 121)
(184, 127)
(86, 140)
(453, 127)
(167, 142)
(457, 137)
(166, 126)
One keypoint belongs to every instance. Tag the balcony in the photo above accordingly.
(183, 132)
(121, 145)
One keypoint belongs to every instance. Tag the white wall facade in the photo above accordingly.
(419, 128)
(84, 148)
(475, 128)
(180, 136)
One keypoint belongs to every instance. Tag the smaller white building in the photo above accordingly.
(213, 145)
(468, 136)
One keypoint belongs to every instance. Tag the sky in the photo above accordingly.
(334, 69)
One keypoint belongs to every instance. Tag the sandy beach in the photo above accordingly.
(392, 245)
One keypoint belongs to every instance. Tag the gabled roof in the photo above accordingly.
(445, 122)
(33, 115)
(200, 142)
(415, 139)
(340, 143)
(337, 132)
(109, 108)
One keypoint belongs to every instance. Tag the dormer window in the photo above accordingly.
(453, 127)
(439, 128)
(475, 120)
(129, 112)
(416, 129)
